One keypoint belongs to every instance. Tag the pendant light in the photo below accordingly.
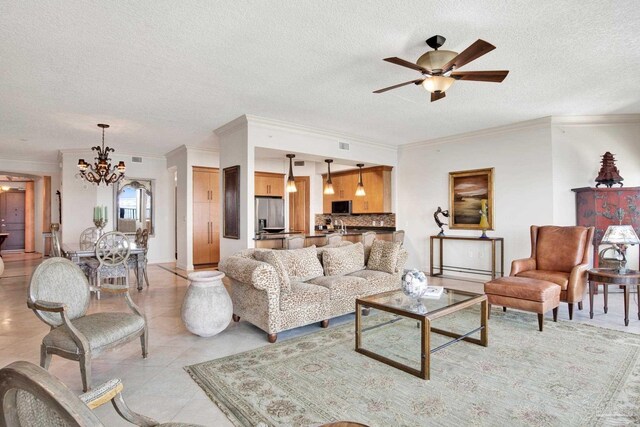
(291, 181)
(360, 189)
(328, 186)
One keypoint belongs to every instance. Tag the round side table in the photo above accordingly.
(608, 277)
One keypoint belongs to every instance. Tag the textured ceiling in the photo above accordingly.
(166, 73)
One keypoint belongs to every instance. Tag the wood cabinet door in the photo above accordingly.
(201, 234)
(261, 185)
(214, 217)
(276, 186)
(201, 186)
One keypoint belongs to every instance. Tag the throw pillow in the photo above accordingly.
(270, 258)
(301, 264)
(384, 256)
(343, 260)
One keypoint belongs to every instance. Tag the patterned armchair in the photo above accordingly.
(30, 396)
(59, 296)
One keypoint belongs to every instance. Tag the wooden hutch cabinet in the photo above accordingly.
(602, 207)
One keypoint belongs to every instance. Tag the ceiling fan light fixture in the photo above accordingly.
(435, 59)
(328, 185)
(437, 84)
(291, 181)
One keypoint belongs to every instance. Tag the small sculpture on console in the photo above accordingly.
(609, 174)
(437, 219)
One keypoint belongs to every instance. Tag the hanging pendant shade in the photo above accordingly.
(291, 180)
(360, 189)
(328, 185)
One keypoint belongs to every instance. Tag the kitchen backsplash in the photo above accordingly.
(381, 220)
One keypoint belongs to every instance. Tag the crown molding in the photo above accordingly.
(602, 120)
(232, 126)
(310, 130)
(528, 124)
(79, 151)
(29, 160)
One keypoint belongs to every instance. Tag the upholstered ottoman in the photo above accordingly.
(523, 293)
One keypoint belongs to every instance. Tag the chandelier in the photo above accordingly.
(101, 170)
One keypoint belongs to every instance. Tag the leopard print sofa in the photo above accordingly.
(278, 290)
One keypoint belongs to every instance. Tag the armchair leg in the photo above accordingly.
(325, 323)
(272, 338)
(570, 311)
(504, 309)
(580, 305)
(540, 321)
(146, 278)
(45, 358)
(85, 371)
(555, 314)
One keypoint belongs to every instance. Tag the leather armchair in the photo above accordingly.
(559, 255)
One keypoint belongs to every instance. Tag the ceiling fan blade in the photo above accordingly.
(417, 82)
(481, 76)
(435, 96)
(475, 51)
(407, 64)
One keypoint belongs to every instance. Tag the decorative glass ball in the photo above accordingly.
(414, 283)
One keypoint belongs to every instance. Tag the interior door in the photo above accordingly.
(12, 211)
(299, 205)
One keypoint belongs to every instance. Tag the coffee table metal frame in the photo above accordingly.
(424, 321)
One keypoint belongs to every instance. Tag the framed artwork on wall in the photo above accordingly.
(469, 191)
(231, 210)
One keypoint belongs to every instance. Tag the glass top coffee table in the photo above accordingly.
(394, 316)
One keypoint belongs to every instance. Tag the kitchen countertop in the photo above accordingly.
(355, 231)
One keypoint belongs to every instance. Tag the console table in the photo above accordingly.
(459, 269)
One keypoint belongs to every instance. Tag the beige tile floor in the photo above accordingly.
(158, 386)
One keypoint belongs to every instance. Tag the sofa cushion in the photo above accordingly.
(558, 277)
(320, 249)
(343, 260)
(270, 258)
(342, 286)
(303, 295)
(384, 256)
(378, 280)
(300, 264)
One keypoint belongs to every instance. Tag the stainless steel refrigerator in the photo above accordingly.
(269, 213)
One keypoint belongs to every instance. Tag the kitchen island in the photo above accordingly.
(318, 237)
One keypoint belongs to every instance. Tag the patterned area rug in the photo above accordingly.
(569, 375)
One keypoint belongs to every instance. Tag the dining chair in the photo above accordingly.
(59, 295)
(89, 237)
(111, 262)
(398, 237)
(56, 249)
(142, 242)
(367, 239)
(293, 242)
(33, 397)
(333, 239)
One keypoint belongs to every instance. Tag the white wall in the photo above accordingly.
(521, 158)
(79, 197)
(578, 144)
(537, 163)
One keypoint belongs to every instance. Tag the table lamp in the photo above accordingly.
(620, 236)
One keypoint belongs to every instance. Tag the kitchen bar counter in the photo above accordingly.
(317, 237)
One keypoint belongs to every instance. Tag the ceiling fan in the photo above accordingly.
(439, 67)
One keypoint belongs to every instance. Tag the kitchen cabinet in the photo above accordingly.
(269, 184)
(206, 214)
(377, 186)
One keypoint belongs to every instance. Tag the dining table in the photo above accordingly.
(76, 252)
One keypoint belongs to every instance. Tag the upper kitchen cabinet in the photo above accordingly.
(377, 185)
(269, 184)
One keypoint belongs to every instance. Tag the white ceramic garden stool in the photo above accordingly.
(207, 307)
